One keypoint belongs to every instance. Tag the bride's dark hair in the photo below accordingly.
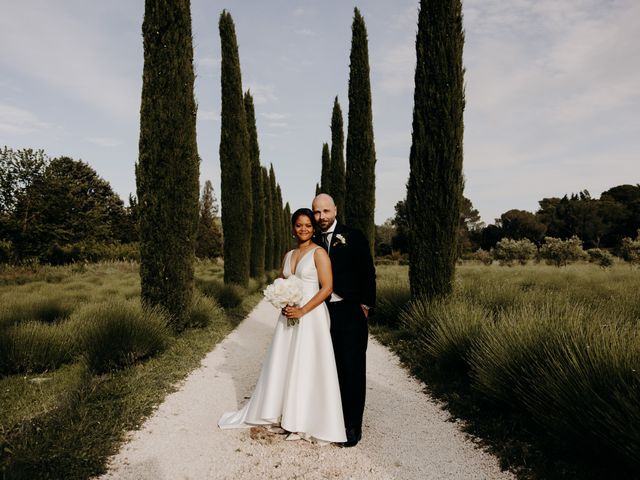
(307, 213)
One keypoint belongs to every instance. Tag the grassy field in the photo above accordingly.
(81, 362)
(541, 362)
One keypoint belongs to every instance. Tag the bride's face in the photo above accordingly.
(303, 228)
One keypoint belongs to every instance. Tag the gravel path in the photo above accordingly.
(406, 434)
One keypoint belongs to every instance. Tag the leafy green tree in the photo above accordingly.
(509, 251)
(209, 237)
(68, 204)
(18, 170)
(434, 190)
(258, 239)
(562, 252)
(520, 224)
(469, 228)
(235, 163)
(268, 220)
(338, 174)
(325, 175)
(630, 250)
(168, 164)
(361, 154)
(400, 241)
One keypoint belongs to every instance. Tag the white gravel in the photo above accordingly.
(406, 434)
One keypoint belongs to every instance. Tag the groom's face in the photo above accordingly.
(325, 212)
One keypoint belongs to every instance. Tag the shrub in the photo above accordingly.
(630, 250)
(203, 310)
(34, 347)
(509, 251)
(390, 299)
(482, 256)
(560, 252)
(30, 306)
(230, 295)
(6, 251)
(116, 334)
(601, 257)
(445, 331)
(575, 378)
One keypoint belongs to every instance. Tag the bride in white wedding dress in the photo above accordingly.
(298, 386)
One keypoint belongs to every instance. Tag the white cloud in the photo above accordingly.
(275, 116)
(395, 69)
(306, 32)
(208, 63)
(208, 115)
(104, 141)
(262, 94)
(69, 56)
(18, 121)
(277, 124)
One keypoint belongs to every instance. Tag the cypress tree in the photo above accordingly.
(338, 181)
(235, 165)
(434, 190)
(276, 215)
(288, 244)
(268, 220)
(284, 223)
(318, 191)
(168, 164)
(361, 154)
(258, 240)
(325, 175)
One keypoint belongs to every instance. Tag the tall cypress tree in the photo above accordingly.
(361, 154)
(168, 165)
(235, 165)
(288, 243)
(268, 220)
(338, 180)
(276, 215)
(258, 239)
(325, 175)
(318, 191)
(284, 224)
(434, 190)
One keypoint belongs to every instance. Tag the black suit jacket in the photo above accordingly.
(354, 276)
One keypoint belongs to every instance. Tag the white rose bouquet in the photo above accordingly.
(283, 292)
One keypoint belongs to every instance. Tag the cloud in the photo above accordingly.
(208, 115)
(104, 141)
(395, 68)
(262, 94)
(306, 32)
(69, 57)
(275, 116)
(18, 121)
(277, 124)
(208, 63)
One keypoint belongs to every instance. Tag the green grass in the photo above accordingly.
(64, 421)
(541, 362)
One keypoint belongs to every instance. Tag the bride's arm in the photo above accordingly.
(325, 278)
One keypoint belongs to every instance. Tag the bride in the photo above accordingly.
(298, 386)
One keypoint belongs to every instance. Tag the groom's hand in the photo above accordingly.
(365, 309)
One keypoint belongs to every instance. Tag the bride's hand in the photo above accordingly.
(292, 312)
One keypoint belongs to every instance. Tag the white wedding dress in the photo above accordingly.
(298, 385)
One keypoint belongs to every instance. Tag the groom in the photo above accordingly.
(354, 294)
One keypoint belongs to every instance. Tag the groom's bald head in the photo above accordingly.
(325, 210)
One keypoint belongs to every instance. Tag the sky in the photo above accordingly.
(552, 90)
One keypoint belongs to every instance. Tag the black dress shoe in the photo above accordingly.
(353, 437)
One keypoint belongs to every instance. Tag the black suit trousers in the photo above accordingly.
(349, 333)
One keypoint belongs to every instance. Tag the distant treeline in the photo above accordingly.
(599, 222)
(60, 210)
